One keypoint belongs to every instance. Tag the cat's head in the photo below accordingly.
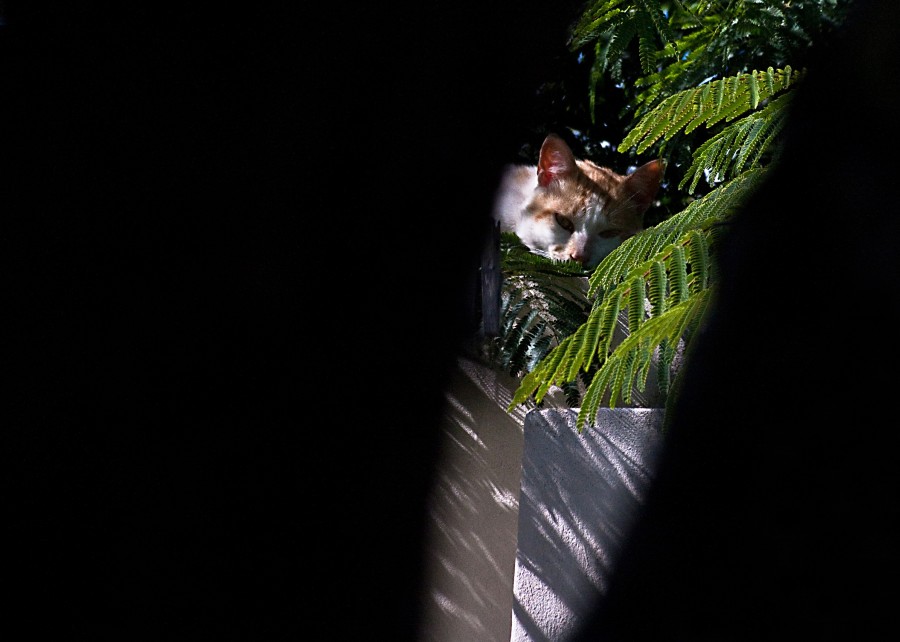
(580, 211)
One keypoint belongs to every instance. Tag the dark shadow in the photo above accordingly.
(231, 235)
(472, 510)
(580, 496)
(773, 515)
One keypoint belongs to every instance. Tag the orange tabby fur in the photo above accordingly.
(569, 209)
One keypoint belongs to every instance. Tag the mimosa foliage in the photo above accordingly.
(700, 91)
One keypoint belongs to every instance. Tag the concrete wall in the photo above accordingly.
(474, 511)
(525, 513)
(580, 494)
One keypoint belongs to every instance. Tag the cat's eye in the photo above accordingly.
(564, 223)
(608, 234)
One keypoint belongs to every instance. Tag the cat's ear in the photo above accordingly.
(643, 183)
(556, 161)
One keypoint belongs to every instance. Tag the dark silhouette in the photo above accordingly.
(774, 512)
(239, 249)
(225, 368)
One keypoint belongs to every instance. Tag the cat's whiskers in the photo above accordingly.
(585, 211)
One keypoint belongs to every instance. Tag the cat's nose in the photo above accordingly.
(578, 255)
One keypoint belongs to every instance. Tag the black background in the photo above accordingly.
(230, 319)
(239, 245)
(774, 515)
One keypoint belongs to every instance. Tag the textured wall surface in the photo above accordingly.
(473, 511)
(579, 496)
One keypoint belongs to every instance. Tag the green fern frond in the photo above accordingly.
(610, 46)
(652, 27)
(645, 358)
(629, 376)
(678, 287)
(522, 337)
(718, 100)
(700, 214)
(614, 374)
(588, 346)
(610, 317)
(737, 146)
(612, 26)
(593, 396)
(517, 258)
(535, 382)
(669, 287)
(534, 319)
(669, 266)
(652, 10)
(699, 259)
(596, 20)
(750, 147)
(698, 102)
(646, 50)
(666, 356)
(636, 297)
(542, 301)
(658, 288)
(754, 91)
(577, 351)
(605, 17)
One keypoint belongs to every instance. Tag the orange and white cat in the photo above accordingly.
(568, 209)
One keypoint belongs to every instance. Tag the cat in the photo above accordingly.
(574, 210)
